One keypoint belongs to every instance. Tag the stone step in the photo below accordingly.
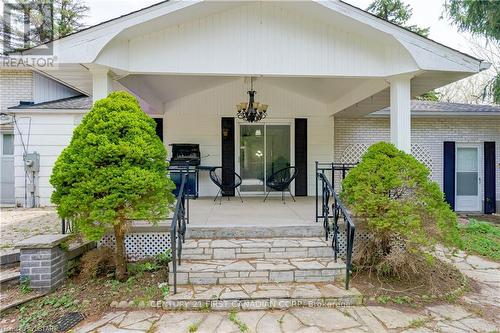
(247, 271)
(260, 296)
(9, 277)
(257, 248)
(255, 231)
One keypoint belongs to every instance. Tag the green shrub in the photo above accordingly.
(391, 194)
(164, 258)
(114, 170)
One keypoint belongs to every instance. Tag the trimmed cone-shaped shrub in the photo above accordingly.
(392, 196)
(114, 170)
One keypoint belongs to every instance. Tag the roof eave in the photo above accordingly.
(408, 38)
(386, 114)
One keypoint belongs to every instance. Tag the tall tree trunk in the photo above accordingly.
(121, 266)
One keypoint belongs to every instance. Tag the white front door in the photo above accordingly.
(7, 197)
(467, 178)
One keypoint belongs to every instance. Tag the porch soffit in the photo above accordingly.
(423, 82)
(342, 97)
(168, 88)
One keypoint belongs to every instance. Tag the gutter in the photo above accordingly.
(439, 114)
(484, 65)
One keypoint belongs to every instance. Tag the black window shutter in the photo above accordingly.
(489, 178)
(301, 156)
(449, 173)
(227, 153)
(159, 127)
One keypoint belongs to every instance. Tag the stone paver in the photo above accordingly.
(393, 318)
(486, 274)
(257, 248)
(20, 223)
(226, 271)
(377, 319)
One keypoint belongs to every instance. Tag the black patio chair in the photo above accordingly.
(281, 180)
(225, 188)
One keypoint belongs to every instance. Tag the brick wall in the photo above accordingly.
(15, 86)
(429, 133)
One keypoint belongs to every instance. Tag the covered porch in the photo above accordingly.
(252, 212)
(309, 60)
(191, 63)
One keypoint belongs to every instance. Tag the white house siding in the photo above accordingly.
(49, 134)
(429, 133)
(46, 89)
(197, 119)
(256, 38)
(15, 86)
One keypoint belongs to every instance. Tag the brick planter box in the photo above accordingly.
(43, 261)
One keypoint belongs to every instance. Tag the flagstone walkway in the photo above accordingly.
(438, 318)
(454, 318)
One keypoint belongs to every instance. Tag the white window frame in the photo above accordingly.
(480, 169)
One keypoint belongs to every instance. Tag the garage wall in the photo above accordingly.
(197, 119)
(49, 135)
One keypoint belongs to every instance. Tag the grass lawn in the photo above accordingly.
(481, 238)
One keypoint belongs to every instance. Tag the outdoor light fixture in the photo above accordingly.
(251, 111)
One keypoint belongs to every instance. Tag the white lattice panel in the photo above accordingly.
(358, 237)
(353, 153)
(423, 155)
(141, 245)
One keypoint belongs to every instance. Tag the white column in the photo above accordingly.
(101, 83)
(400, 112)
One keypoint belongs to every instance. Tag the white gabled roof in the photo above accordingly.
(428, 54)
(381, 48)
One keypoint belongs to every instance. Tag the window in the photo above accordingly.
(8, 144)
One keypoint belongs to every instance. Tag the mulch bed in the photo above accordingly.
(384, 291)
(89, 297)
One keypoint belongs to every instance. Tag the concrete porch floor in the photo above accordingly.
(252, 212)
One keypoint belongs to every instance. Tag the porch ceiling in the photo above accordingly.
(167, 88)
(420, 84)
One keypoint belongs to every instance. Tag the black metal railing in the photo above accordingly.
(178, 227)
(337, 173)
(338, 210)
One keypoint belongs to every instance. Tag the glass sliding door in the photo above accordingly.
(277, 148)
(264, 149)
(252, 158)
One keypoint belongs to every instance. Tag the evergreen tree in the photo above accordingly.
(397, 12)
(113, 171)
(481, 19)
(46, 20)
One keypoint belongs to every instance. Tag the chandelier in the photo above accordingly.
(251, 111)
